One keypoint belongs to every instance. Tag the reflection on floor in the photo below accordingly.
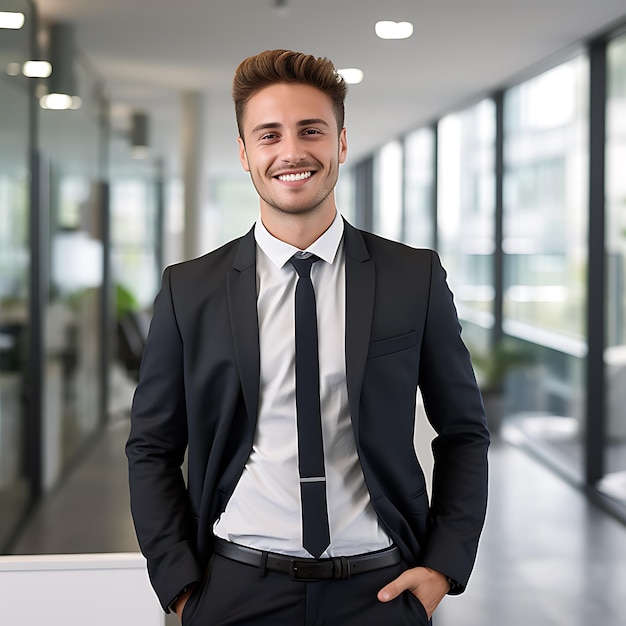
(559, 440)
(89, 512)
(614, 486)
(548, 557)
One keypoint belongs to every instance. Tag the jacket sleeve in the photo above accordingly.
(155, 449)
(454, 408)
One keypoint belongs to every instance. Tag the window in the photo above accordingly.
(544, 243)
(419, 170)
(387, 218)
(466, 213)
(614, 483)
(545, 203)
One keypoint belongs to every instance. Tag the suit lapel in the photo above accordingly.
(360, 290)
(242, 306)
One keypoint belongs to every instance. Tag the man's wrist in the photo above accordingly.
(185, 590)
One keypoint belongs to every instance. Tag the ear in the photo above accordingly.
(243, 157)
(343, 146)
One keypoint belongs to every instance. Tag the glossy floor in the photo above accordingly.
(547, 558)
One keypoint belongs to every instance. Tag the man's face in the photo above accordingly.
(292, 148)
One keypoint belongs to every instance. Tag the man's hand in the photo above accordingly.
(180, 603)
(426, 584)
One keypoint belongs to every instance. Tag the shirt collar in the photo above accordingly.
(279, 252)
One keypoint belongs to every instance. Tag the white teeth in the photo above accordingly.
(294, 177)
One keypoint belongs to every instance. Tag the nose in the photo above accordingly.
(293, 150)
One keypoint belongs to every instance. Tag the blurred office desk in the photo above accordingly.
(78, 589)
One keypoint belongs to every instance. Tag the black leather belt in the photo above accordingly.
(309, 569)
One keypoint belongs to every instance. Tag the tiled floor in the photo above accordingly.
(547, 557)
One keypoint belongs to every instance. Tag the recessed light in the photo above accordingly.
(394, 30)
(352, 75)
(11, 19)
(56, 101)
(37, 69)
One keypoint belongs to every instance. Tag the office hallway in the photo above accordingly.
(547, 558)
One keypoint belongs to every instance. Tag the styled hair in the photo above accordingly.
(284, 66)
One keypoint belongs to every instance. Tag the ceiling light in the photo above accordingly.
(61, 81)
(56, 101)
(352, 75)
(60, 102)
(394, 30)
(13, 69)
(37, 69)
(12, 20)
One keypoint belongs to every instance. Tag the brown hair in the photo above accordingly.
(285, 66)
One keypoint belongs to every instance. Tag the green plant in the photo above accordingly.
(125, 301)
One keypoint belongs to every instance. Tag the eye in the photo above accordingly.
(268, 136)
(312, 131)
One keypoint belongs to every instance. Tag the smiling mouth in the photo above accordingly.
(292, 178)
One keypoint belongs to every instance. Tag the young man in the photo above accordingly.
(305, 502)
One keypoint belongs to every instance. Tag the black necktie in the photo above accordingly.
(315, 532)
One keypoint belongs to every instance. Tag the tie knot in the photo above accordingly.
(303, 265)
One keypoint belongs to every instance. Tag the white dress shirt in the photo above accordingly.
(264, 511)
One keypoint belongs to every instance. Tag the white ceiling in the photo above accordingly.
(148, 52)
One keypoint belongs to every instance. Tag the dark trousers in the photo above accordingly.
(234, 594)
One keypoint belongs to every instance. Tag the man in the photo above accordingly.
(305, 502)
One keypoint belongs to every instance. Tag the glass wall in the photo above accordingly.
(15, 288)
(71, 151)
(545, 251)
(466, 214)
(345, 196)
(136, 201)
(419, 188)
(388, 171)
(614, 484)
(233, 209)
(135, 233)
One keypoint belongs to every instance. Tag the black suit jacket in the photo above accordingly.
(199, 390)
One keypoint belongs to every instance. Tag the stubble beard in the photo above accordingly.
(316, 204)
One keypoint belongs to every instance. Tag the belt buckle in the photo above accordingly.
(293, 571)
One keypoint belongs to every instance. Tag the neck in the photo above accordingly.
(298, 230)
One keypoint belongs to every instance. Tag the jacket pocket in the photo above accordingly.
(391, 345)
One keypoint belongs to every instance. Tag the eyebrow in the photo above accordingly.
(307, 122)
(314, 120)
